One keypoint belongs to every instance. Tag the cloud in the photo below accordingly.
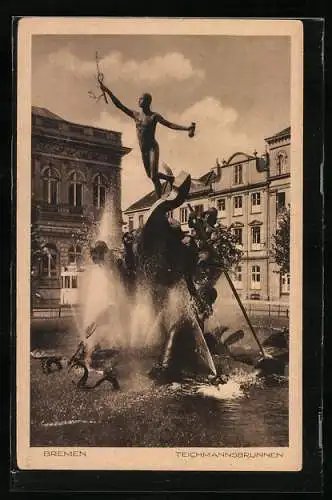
(172, 65)
(216, 136)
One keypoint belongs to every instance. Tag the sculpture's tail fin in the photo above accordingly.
(187, 351)
(167, 170)
(202, 350)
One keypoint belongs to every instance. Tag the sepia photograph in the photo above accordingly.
(159, 210)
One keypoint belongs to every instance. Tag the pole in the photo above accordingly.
(244, 313)
(236, 295)
(100, 76)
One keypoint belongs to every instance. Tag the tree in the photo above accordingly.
(86, 233)
(226, 247)
(38, 251)
(38, 244)
(281, 242)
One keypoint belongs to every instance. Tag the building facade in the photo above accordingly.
(248, 192)
(75, 173)
(279, 198)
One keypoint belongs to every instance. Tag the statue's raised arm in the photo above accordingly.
(146, 121)
(174, 126)
(115, 100)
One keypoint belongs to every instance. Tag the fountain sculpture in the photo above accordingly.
(156, 294)
(154, 297)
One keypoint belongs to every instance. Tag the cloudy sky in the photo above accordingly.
(237, 90)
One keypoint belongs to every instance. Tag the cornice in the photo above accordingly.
(238, 189)
(72, 151)
(279, 176)
(60, 139)
(36, 154)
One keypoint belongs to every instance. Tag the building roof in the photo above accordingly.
(197, 186)
(208, 177)
(45, 113)
(282, 133)
(43, 120)
(146, 202)
(285, 131)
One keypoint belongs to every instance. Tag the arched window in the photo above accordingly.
(48, 264)
(50, 181)
(75, 254)
(75, 195)
(99, 191)
(281, 163)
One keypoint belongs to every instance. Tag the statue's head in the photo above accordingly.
(145, 100)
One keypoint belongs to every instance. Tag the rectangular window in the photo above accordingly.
(67, 281)
(255, 202)
(256, 238)
(221, 207)
(238, 178)
(238, 235)
(256, 234)
(141, 220)
(238, 205)
(238, 277)
(183, 215)
(281, 201)
(281, 163)
(74, 282)
(199, 209)
(71, 258)
(130, 223)
(255, 277)
(285, 283)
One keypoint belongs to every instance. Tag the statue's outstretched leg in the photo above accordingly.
(154, 163)
(150, 161)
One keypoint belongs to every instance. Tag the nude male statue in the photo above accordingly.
(146, 121)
